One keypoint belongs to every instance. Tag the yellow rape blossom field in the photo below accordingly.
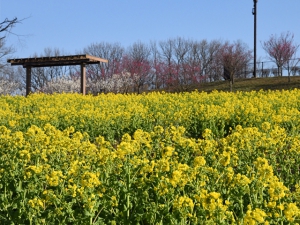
(157, 158)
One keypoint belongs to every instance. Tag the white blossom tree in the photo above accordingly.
(118, 83)
(62, 84)
(8, 87)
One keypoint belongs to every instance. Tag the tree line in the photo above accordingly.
(175, 64)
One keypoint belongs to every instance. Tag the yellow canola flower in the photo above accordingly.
(229, 174)
(142, 137)
(127, 137)
(74, 166)
(18, 139)
(125, 148)
(264, 170)
(271, 204)
(277, 190)
(256, 216)
(114, 201)
(168, 151)
(90, 179)
(281, 207)
(199, 161)
(158, 130)
(54, 178)
(291, 211)
(211, 201)
(207, 134)
(225, 158)
(266, 126)
(176, 178)
(24, 154)
(76, 154)
(180, 176)
(36, 203)
(12, 123)
(163, 186)
(241, 180)
(73, 189)
(148, 167)
(36, 169)
(214, 195)
(182, 202)
(162, 165)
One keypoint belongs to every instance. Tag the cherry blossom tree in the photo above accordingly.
(280, 49)
(139, 70)
(136, 62)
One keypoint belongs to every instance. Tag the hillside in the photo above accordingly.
(249, 84)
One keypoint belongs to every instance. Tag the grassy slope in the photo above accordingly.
(270, 83)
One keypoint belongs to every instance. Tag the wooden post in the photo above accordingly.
(83, 79)
(28, 80)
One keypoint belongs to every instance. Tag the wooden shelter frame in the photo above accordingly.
(69, 60)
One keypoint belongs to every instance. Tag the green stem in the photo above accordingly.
(128, 204)
(241, 206)
(128, 190)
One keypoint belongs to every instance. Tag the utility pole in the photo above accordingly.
(254, 12)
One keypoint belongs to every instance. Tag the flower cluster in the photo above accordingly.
(159, 158)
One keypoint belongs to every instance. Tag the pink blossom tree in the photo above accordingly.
(280, 49)
(139, 70)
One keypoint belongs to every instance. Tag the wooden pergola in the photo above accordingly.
(69, 60)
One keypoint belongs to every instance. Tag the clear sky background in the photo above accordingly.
(73, 25)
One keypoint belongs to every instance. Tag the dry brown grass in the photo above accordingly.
(256, 84)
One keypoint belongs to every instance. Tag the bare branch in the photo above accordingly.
(7, 25)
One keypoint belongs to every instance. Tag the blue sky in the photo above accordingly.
(73, 25)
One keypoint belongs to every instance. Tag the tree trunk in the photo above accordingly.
(231, 81)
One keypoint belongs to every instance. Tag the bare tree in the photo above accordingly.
(265, 72)
(187, 62)
(280, 49)
(5, 51)
(291, 66)
(157, 82)
(168, 62)
(178, 63)
(98, 74)
(208, 52)
(9, 81)
(7, 25)
(41, 77)
(234, 57)
(181, 49)
(192, 66)
(295, 70)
